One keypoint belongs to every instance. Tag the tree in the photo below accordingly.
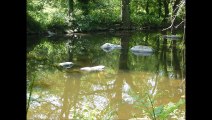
(166, 10)
(71, 12)
(84, 6)
(159, 8)
(147, 6)
(178, 7)
(125, 13)
(174, 7)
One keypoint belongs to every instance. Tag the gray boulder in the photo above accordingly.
(141, 50)
(107, 47)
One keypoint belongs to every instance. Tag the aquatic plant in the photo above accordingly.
(161, 112)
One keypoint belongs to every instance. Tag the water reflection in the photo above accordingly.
(70, 95)
(107, 94)
(164, 56)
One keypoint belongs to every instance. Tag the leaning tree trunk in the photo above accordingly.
(175, 9)
(125, 14)
(178, 4)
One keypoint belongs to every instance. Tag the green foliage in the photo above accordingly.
(101, 16)
(170, 108)
(147, 103)
(57, 22)
(139, 15)
(94, 15)
(43, 15)
(147, 20)
(48, 50)
(33, 25)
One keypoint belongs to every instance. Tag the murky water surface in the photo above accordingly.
(132, 84)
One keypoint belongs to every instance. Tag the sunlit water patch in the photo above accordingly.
(115, 92)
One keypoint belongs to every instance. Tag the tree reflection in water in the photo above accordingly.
(107, 94)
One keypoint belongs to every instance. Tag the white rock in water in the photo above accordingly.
(141, 48)
(66, 64)
(95, 68)
(107, 47)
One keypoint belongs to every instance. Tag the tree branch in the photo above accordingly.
(179, 6)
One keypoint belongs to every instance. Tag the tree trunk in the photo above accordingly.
(125, 14)
(147, 6)
(176, 62)
(84, 6)
(123, 60)
(159, 8)
(70, 7)
(166, 8)
(70, 12)
(163, 57)
(175, 8)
